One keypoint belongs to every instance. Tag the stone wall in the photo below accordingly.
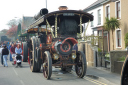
(89, 52)
(116, 65)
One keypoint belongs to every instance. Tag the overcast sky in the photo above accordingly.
(10, 9)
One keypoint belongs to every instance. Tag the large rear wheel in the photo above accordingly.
(47, 65)
(38, 54)
(34, 65)
(124, 73)
(80, 66)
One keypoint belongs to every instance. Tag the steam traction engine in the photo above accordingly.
(56, 34)
(124, 72)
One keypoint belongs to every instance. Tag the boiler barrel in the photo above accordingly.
(41, 13)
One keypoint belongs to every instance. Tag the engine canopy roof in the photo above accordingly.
(73, 14)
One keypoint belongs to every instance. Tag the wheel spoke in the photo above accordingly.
(80, 68)
(47, 65)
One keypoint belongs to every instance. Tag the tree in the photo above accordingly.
(112, 24)
(126, 39)
(13, 25)
(12, 31)
(4, 31)
(18, 30)
(14, 22)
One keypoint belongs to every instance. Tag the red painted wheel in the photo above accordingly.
(47, 65)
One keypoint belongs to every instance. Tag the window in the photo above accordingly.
(108, 11)
(118, 38)
(99, 17)
(118, 15)
(100, 33)
(92, 21)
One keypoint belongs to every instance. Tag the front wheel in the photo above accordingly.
(80, 66)
(47, 65)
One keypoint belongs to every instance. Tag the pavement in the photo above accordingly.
(104, 75)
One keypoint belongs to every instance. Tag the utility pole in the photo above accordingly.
(46, 3)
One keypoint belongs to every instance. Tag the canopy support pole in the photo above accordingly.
(86, 29)
(81, 25)
(50, 28)
(56, 26)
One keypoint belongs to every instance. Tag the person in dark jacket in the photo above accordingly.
(5, 53)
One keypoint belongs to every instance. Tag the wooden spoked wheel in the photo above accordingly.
(31, 56)
(80, 66)
(47, 65)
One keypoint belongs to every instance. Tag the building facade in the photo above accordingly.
(96, 26)
(109, 8)
(117, 9)
(96, 9)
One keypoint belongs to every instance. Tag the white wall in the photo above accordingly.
(95, 21)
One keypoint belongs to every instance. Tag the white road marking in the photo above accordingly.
(15, 72)
(91, 80)
(22, 82)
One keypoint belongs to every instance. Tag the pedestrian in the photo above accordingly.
(18, 49)
(1, 48)
(5, 53)
(10, 55)
(15, 44)
(12, 50)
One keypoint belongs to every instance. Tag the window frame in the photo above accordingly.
(99, 11)
(106, 14)
(117, 40)
(116, 10)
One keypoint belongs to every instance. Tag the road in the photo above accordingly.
(23, 76)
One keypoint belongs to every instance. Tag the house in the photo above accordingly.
(26, 22)
(109, 8)
(118, 9)
(96, 26)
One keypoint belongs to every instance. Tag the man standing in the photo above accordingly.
(12, 50)
(5, 53)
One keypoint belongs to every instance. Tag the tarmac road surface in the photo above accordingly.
(23, 76)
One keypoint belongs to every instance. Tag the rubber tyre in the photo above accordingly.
(39, 60)
(37, 54)
(49, 65)
(25, 52)
(84, 65)
(34, 67)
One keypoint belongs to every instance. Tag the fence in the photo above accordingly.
(102, 59)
